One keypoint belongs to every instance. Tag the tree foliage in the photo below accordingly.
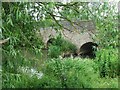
(22, 20)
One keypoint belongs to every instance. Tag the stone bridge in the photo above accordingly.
(80, 33)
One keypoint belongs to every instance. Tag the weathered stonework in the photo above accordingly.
(78, 33)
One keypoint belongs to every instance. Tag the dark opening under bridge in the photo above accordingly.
(79, 33)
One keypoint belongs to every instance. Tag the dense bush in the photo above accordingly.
(60, 45)
(68, 73)
(107, 61)
(54, 51)
(64, 44)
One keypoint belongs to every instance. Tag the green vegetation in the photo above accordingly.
(59, 46)
(62, 73)
(107, 61)
(26, 65)
(68, 73)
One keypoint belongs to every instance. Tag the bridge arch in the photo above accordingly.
(50, 41)
(88, 49)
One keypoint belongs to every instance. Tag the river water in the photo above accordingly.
(38, 58)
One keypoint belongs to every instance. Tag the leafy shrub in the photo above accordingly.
(68, 73)
(60, 45)
(68, 46)
(108, 83)
(107, 61)
(64, 44)
(54, 51)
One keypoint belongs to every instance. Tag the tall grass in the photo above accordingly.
(11, 80)
(68, 73)
(107, 61)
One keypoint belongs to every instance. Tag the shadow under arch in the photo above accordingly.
(88, 50)
(50, 42)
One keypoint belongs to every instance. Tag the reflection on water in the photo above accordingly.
(30, 71)
(37, 59)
